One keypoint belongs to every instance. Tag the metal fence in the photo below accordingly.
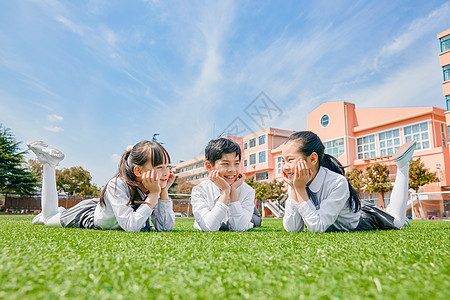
(431, 204)
(14, 203)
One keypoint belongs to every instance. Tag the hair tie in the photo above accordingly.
(129, 148)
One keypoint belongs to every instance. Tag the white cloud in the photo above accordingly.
(203, 42)
(55, 118)
(415, 31)
(53, 128)
(75, 28)
(115, 158)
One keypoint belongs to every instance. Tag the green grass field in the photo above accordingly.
(41, 262)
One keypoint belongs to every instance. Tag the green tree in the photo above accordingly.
(377, 179)
(14, 176)
(35, 167)
(181, 186)
(274, 190)
(356, 179)
(76, 180)
(419, 175)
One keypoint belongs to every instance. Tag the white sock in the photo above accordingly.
(399, 196)
(49, 197)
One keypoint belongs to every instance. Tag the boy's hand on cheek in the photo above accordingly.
(219, 181)
(238, 182)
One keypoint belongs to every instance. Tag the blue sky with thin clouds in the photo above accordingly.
(91, 77)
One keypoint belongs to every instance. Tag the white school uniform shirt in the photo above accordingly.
(210, 213)
(115, 213)
(332, 192)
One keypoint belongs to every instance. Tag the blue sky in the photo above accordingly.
(91, 77)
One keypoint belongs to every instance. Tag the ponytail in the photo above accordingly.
(308, 143)
(332, 164)
(139, 155)
(126, 173)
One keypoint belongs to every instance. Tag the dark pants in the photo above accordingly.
(81, 215)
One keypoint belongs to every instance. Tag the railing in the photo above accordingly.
(13, 203)
(274, 206)
(428, 204)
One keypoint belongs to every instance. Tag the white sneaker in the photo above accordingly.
(407, 223)
(45, 154)
(36, 145)
(404, 154)
(38, 220)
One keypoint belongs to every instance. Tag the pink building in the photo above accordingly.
(257, 157)
(444, 58)
(360, 137)
(356, 137)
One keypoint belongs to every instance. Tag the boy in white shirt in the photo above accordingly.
(224, 201)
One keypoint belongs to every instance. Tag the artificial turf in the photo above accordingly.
(41, 262)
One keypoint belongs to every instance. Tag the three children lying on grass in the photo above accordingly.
(320, 197)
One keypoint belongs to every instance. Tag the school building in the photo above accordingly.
(444, 59)
(357, 137)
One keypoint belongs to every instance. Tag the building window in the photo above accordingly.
(279, 164)
(252, 143)
(262, 157)
(447, 99)
(325, 120)
(335, 147)
(444, 137)
(262, 176)
(389, 142)
(445, 43)
(366, 147)
(446, 70)
(418, 133)
(245, 162)
(245, 146)
(262, 140)
(252, 159)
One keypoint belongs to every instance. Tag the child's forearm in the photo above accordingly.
(233, 195)
(164, 195)
(224, 197)
(151, 199)
(301, 195)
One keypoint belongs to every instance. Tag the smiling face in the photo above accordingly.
(291, 154)
(228, 166)
(162, 170)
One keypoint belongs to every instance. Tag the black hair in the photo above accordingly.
(139, 155)
(216, 148)
(309, 142)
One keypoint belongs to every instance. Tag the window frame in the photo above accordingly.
(253, 155)
(259, 139)
(445, 40)
(259, 156)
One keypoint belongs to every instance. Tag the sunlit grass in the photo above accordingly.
(43, 262)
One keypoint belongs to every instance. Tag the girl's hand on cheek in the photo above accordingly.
(150, 180)
(302, 174)
(286, 179)
(170, 180)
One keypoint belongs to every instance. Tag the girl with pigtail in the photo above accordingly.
(138, 192)
(321, 198)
